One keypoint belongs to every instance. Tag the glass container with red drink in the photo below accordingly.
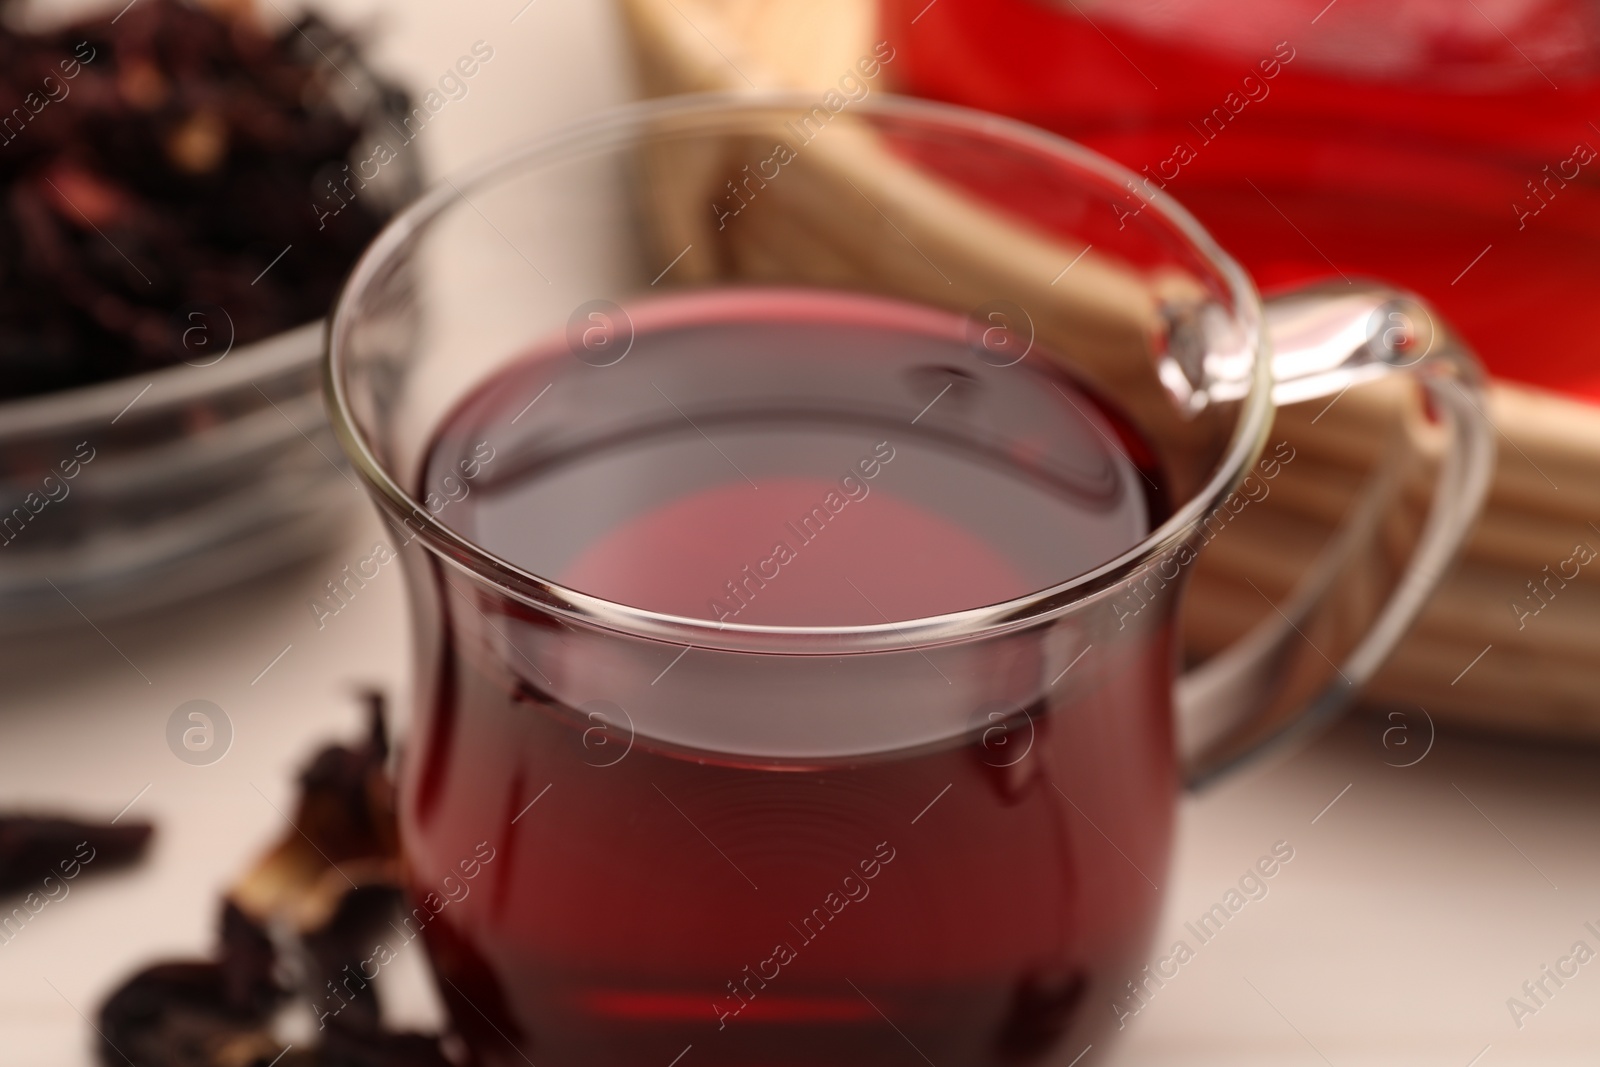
(794, 588)
(1448, 147)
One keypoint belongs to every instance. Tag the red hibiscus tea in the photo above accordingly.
(800, 635)
(705, 857)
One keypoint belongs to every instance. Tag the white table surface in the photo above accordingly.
(1413, 908)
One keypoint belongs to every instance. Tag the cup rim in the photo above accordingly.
(1031, 609)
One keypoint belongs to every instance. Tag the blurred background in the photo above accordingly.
(1444, 846)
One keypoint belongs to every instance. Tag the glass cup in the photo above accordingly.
(639, 827)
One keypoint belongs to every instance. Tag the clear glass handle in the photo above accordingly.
(1305, 662)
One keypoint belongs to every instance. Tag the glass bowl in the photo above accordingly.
(134, 493)
(127, 495)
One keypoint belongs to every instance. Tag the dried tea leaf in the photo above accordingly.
(199, 144)
(334, 887)
(341, 990)
(158, 158)
(177, 1015)
(344, 836)
(33, 848)
(249, 964)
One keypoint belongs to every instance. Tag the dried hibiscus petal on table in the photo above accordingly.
(34, 848)
(296, 923)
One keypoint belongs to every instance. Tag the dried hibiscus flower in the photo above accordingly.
(314, 901)
(168, 158)
(34, 849)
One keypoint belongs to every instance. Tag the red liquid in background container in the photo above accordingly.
(952, 898)
(1415, 141)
